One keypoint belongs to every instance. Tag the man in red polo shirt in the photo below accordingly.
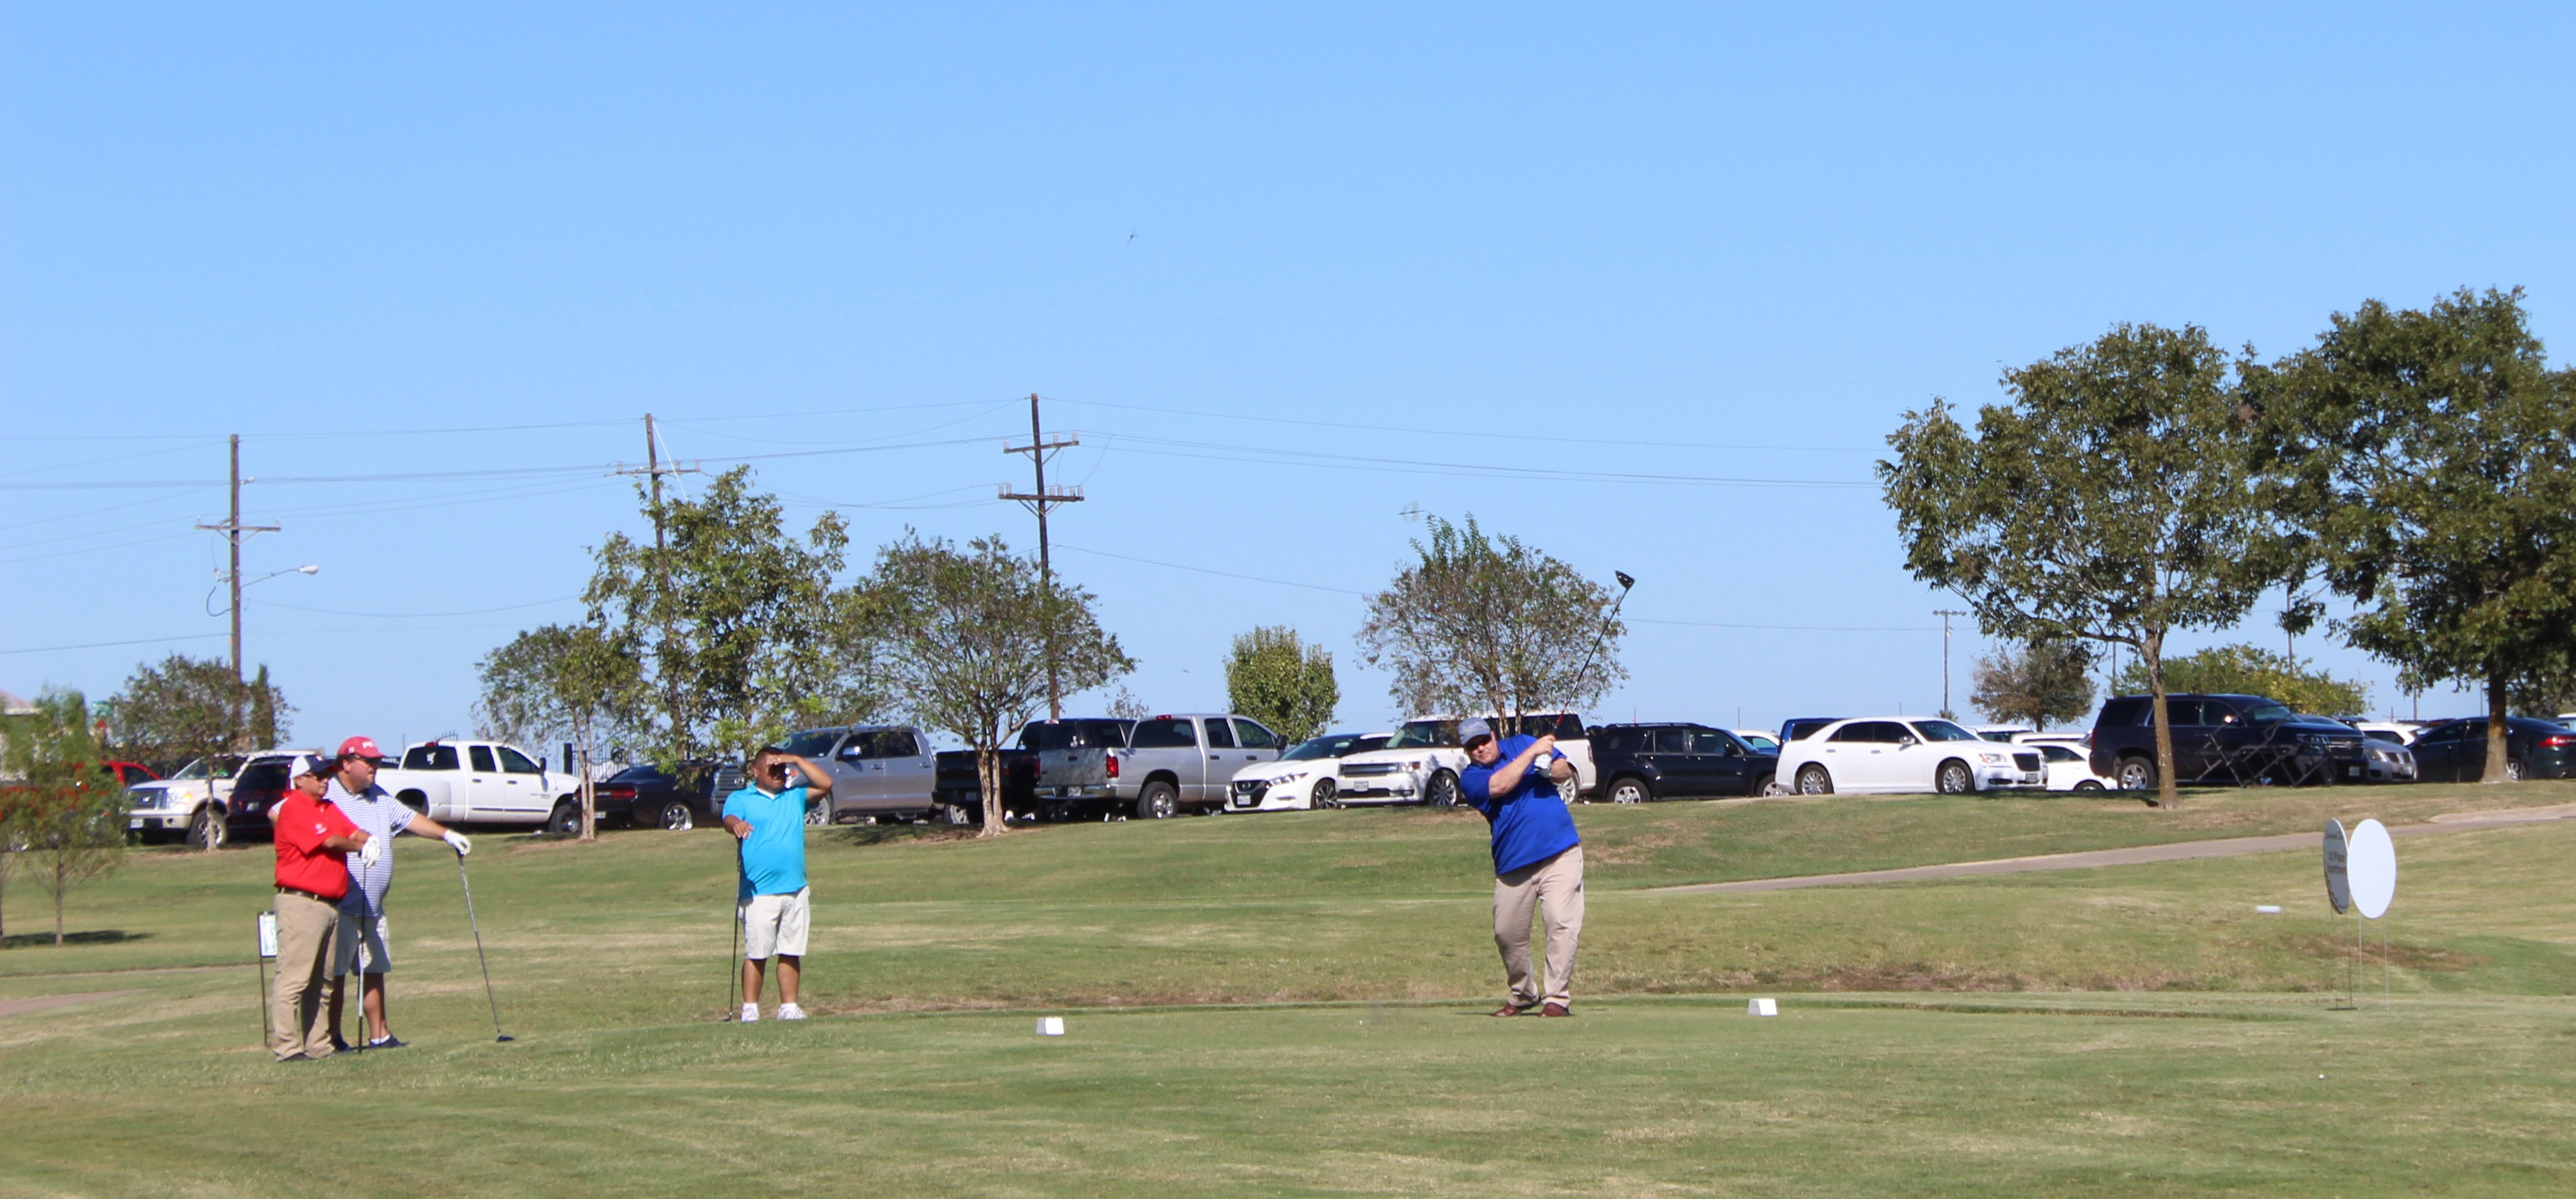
(314, 841)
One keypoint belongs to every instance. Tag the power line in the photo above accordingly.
(48, 649)
(1348, 426)
(418, 615)
(1267, 456)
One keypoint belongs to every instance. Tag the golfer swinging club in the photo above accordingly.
(1538, 861)
(773, 902)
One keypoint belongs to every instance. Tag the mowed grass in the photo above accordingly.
(1292, 1005)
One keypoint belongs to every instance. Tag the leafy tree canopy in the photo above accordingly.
(2038, 685)
(1489, 624)
(2250, 670)
(1274, 677)
(62, 810)
(186, 708)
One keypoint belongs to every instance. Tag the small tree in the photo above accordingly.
(65, 813)
(1283, 682)
(2431, 458)
(576, 681)
(2253, 670)
(1491, 624)
(2111, 501)
(2041, 684)
(962, 636)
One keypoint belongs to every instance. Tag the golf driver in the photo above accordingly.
(733, 956)
(1625, 582)
(461, 881)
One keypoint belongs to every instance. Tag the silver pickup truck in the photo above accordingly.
(879, 772)
(1184, 762)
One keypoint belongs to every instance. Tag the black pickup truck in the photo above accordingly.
(1059, 770)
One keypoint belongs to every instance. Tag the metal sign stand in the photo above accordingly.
(2339, 893)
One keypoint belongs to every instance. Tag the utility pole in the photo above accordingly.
(232, 529)
(1945, 614)
(1040, 501)
(653, 470)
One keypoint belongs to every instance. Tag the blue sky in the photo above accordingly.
(400, 249)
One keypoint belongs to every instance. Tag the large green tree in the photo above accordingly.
(1479, 623)
(62, 811)
(740, 632)
(185, 708)
(576, 682)
(963, 636)
(1283, 681)
(2039, 684)
(2253, 670)
(2109, 500)
(2430, 457)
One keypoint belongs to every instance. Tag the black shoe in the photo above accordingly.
(390, 1042)
(293, 1057)
(338, 1045)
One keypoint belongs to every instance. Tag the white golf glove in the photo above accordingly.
(457, 842)
(372, 852)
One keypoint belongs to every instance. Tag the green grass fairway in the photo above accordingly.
(1292, 1005)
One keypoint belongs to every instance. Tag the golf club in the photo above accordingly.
(461, 881)
(1602, 638)
(733, 956)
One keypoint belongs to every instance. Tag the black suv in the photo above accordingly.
(1639, 763)
(2230, 739)
(2456, 750)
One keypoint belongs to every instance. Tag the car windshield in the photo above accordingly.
(1422, 734)
(267, 776)
(811, 744)
(203, 768)
(2059, 753)
(1074, 734)
(2266, 712)
(1331, 745)
(1760, 742)
(1942, 730)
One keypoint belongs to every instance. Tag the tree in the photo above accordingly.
(62, 811)
(2041, 684)
(2111, 501)
(963, 636)
(2252, 670)
(562, 681)
(739, 630)
(2431, 459)
(1490, 624)
(1283, 682)
(188, 708)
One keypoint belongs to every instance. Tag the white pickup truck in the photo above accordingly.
(478, 782)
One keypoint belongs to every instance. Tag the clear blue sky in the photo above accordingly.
(395, 248)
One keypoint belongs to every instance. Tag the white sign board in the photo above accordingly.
(2373, 869)
(2338, 877)
(268, 934)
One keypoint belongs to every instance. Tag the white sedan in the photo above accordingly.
(1905, 754)
(2068, 768)
(1306, 778)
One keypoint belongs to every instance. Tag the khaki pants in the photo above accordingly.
(1554, 888)
(304, 931)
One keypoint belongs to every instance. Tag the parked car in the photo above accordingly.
(481, 782)
(2386, 760)
(647, 796)
(1761, 739)
(1306, 778)
(1059, 770)
(1646, 762)
(2400, 731)
(1799, 727)
(1180, 763)
(1420, 764)
(2232, 739)
(173, 807)
(2067, 767)
(259, 786)
(1906, 754)
(2006, 733)
(2456, 750)
(879, 772)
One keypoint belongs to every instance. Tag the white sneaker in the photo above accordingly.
(750, 1013)
(789, 1011)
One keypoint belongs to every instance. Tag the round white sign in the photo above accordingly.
(2338, 881)
(2374, 869)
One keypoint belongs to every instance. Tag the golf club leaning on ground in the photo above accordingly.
(733, 955)
(486, 963)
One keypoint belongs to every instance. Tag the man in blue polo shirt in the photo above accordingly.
(1538, 861)
(775, 906)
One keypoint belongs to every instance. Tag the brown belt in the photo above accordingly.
(306, 894)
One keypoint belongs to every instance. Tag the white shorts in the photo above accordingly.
(773, 924)
(354, 933)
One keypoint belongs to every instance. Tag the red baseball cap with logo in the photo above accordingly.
(360, 747)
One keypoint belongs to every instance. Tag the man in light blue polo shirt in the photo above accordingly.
(1538, 860)
(773, 902)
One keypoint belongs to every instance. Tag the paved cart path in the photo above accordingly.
(2457, 822)
(38, 1003)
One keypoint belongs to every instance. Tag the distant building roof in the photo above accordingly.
(14, 705)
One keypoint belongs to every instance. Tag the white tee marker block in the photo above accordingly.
(1762, 1007)
(2267, 909)
(1050, 1026)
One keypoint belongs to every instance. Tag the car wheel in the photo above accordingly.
(2135, 774)
(1628, 788)
(2088, 785)
(678, 817)
(1812, 780)
(1157, 802)
(1322, 798)
(565, 821)
(1443, 791)
(1953, 778)
(1761, 785)
(819, 812)
(205, 831)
